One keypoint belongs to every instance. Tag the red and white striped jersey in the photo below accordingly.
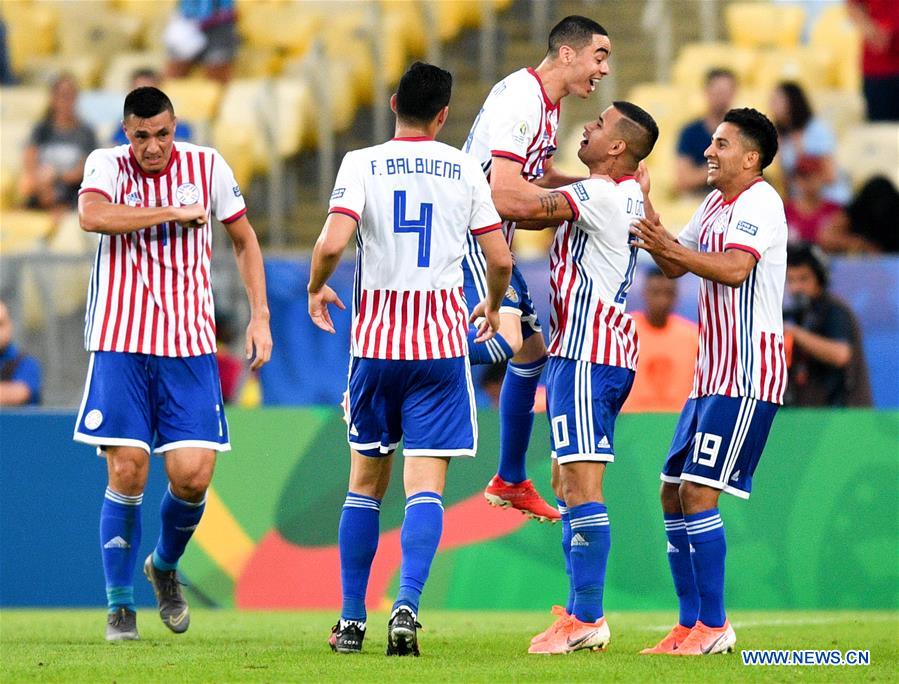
(591, 270)
(415, 201)
(518, 121)
(741, 346)
(150, 290)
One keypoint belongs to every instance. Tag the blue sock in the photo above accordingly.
(357, 538)
(706, 533)
(179, 520)
(566, 551)
(422, 528)
(681, 565)
(516, 417)
(119, 546)
(495, 350)
(590, 541)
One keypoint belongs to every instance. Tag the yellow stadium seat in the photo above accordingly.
(15, 136)
(834, 34)
(194, 99)
(807, 66)
(840, 108)
(411, 19)
(237, 146)
(287, 27)
(673, 104)
(88, 27)
(694, 60)
(31, 31)
(23, 103)
(69, 238)
(41, 70)
(676, 212)
(868, 150)
(23, 230)
(117, 76)
(764, 24)
(341, 93)
(145, 10)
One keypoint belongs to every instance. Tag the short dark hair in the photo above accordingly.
(423, 91)
(719, 72)
(799, 111)
(804, 254)
(574, 31)
(756, 128)
(146, 103)
(640, 141)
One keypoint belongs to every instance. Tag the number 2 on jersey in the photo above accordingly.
(621, 295)
(421, 225)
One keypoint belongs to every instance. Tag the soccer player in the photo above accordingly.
(410, 202)
(592, 357)
(152, 383)
(736, 243)
(513, 138)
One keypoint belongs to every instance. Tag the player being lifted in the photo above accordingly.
(513, 138)
(410, 202)
(736, 243)
(152, 382)
(592, 356)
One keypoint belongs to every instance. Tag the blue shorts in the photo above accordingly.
(149, 401)
(583, 400)
(517, 300)
(428, 404)
(718, 442)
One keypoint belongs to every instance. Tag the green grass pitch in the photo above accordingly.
(229, 646)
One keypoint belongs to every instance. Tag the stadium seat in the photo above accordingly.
(31, 31)
(694, 61)
(144, 10)
(69, 238)
(117, 75)
(237, 146)
(23, 230)
(834, 28)
(676, 212)
(868, 150)
(839, 108)
(88, 27)
(194, 99)
(410, 17)
(807, 66)
(41, 70)
(672, 104)
(764, 24)
(16, 134)
(23, 103)
(290, 28)
(341, 94)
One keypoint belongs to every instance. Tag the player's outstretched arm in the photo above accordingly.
(335, 236)
(516, 199)
(499, 271)
(731, 267)
(553, 178)
(252, 272)
(98, 215)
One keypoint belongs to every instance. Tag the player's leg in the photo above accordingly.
(679, 552)
(115, 417)
(507, 341)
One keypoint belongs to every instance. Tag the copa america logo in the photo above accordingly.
(187, 193)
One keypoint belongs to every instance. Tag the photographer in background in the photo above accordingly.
(828, 363)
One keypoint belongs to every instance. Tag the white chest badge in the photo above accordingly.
(187, 193)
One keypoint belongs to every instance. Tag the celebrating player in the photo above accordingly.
(736, 243)
(593, 356)
(153, 382)
(411, 202)
(513, 138)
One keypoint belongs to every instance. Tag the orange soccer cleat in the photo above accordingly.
(704, 640)
(671, 641)
(521, 496)
(573, 635)
(562, 616)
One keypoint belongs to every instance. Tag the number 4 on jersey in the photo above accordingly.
(421, 226)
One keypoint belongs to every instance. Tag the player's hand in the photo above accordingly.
(259, 343)
(318, 307)
(486, 320)
(191, 215)
(650, 235)
(642, 177)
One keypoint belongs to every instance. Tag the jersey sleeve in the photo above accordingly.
(227, 201)
(754, 223)
(592, 203)
(484, 217)
(512, 131)
(348, 196)
(100, 174)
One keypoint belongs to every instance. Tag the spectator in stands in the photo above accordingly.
(869, 223)
(878, 21)
(143, 78)
(231, 368)
(807, 211)
(827, 367)
(801, 133)
(6, 75)
(202, 31)
(20, 374)
(668, 345)
(692, 169)
(54, 158)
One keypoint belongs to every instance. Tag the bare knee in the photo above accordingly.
(669, 493)
(696, 498)
(127, 470)
(532, 349)
(556, 481)
(190, 477)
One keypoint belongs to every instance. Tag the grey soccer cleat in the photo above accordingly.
(402, 633)
(121, 625)
(172, 605)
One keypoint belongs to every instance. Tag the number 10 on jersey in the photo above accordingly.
(421, 225)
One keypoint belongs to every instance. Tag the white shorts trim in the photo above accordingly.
(440, 453)
(578, 458)
(510, 310)
(193, 443)
(99, 441)
(670, 479)
(373, 445)
(715, 484)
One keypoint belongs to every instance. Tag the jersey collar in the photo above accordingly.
(168, 167)
(546, 100)
(734, 198)
(622, 179)
(414, 138)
